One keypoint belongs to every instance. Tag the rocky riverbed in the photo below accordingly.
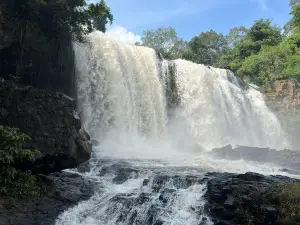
(127, 192)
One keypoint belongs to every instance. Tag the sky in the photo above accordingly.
(190, 17)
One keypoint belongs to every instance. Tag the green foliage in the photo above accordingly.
(262, 30)
(55, 18)
(293, 65)
(24, 185)
(295, 12)
(41, 34)
(165, 41)
(236, 35)
(205, 48)
(259, 54)
(268, 64)
(12, 180)
(100, 14)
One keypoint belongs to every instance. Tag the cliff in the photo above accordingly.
(284, 99)
(51, 121)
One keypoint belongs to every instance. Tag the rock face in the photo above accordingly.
(5, 39)
(243, 199)
(52, 123)
(67, 190)
(285, 94)
(284, 99)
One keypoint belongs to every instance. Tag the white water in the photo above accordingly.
(121, 95)
(218, 110)
(119, 90)
(124, 93)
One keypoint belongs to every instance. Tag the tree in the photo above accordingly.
(164, 40)
(268, 64)
(100, 14)
(263, 31)
(235, 35)
(205, 48)
(13, 181)
(295, 12)
(38, 25)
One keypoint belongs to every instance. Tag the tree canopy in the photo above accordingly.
(40, 35)
(164, 40)
(259, 53)
(205, 48)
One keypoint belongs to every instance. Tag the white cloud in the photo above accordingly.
(120, 33)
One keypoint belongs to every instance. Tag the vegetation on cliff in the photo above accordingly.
(14, 181)
(39, 36)
(260, 53)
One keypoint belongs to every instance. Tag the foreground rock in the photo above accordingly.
(65, 190)
(251, 199)
(52, 123)
(288, 159)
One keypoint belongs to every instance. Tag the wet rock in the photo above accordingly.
(166, 195)
(123, 174)
(133, 217)
(159, 181)
(143, 198)
(84, 168)
(237, 199)
(158, 222)
(146, 182)
(180, 182)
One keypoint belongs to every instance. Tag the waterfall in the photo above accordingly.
(220, 109)
(119, 89)
(126, 91)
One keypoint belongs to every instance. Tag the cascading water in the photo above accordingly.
(151, 117)
(119, 89)
(219, 109)
(122, 93)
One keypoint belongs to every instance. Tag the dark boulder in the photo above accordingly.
(52, 123)
(244, 199)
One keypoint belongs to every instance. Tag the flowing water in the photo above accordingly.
(155, 121)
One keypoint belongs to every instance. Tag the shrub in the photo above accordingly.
(289, 198)
(13, 181)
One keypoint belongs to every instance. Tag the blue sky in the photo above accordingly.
(190, 17)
